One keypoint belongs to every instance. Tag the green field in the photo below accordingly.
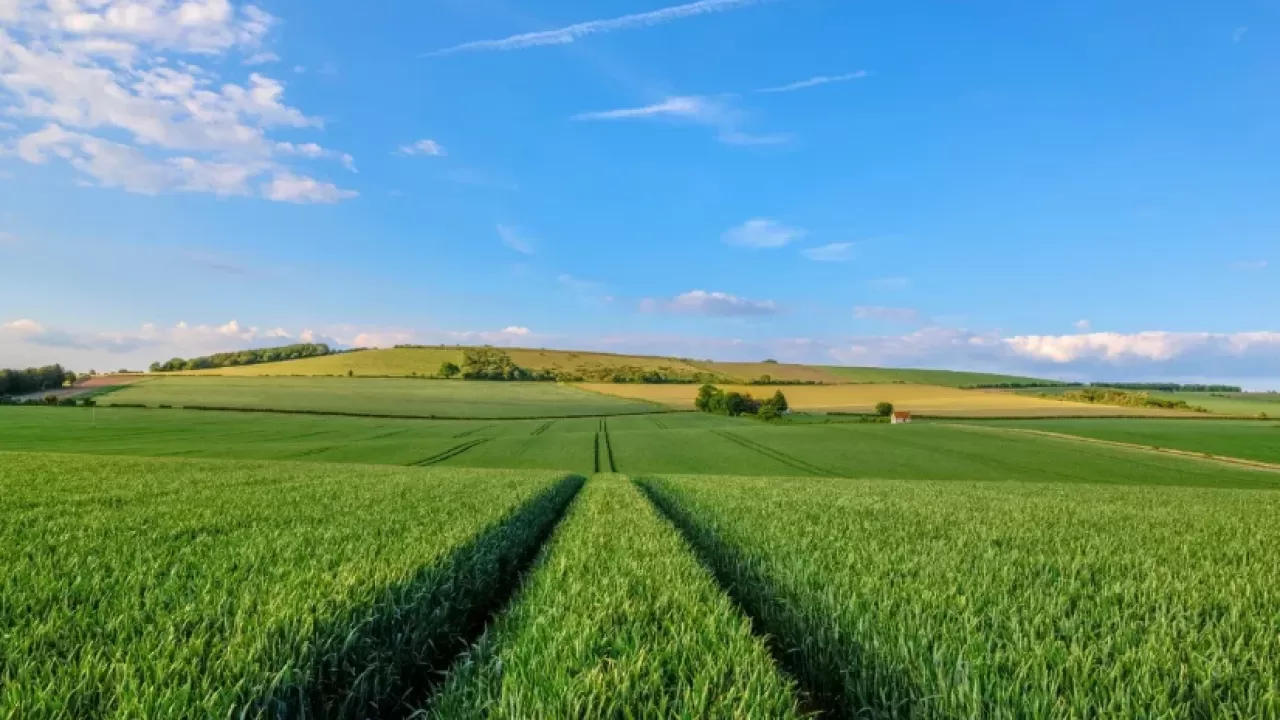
(943, 378)
(159, 588)
(199, 563)
(678, 443)
(376, 396)
(975, 600)
(1240, 404)
(1242, 439)
(605, 639)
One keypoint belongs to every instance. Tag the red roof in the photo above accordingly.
(901, 414)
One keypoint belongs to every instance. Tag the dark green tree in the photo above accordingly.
(884, 409)
(449, 370)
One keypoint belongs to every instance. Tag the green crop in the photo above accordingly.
(165, 588)
(618, 621)
(946, 600)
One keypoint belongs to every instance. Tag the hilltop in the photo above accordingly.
(596, 366)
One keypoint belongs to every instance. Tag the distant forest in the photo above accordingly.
(33, 380)
(244, 357)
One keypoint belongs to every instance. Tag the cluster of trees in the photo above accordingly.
(1110, 396)
(712, 399)
(771, 380)
(489, 364)
(33, 380)
(244, 357)
(1169, 387)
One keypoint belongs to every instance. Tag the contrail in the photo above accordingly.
(566, 35)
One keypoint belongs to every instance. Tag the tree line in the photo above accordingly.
(34, 380)
(1144, 387)
(244, 357)
(712, 399)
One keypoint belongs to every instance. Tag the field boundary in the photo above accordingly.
(1189, 454)
(381, 416)
(778, 455)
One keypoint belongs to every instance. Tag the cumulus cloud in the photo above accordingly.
(424, 147)
(717, 304)
(302, 190)
(904, 316)
(835, 252)
(762, 233)
(129, 94)
(571, 33)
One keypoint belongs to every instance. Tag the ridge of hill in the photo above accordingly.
(426, 362)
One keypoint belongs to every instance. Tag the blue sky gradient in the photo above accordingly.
(1082, 191)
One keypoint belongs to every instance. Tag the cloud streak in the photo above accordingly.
(762, 233)
(835, 252)
(815, 82)
(701, 110)
(514, 239)
(572, 33)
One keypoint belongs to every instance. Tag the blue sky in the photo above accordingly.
(1081, 190)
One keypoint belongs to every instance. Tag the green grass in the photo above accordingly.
(378, 397)
(1242, 439)
(618, 624)
(160, 588)
(949, 600)
(944, 378)
(1240, 404)
(686, 443)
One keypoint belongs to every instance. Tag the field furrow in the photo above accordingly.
(177, 588)
(618, 624)
(942, 600)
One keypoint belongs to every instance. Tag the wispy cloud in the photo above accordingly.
(1250, 265)
(424, 147)
(215, 262)
(835, 252)
(814, 82)
(514, 239)
(7, 238)
(892, 283)
(718, 304)
(1083, 325)
(701, 110)
(571, 33)
(1238, 34)
(904, 316)
(762, 233)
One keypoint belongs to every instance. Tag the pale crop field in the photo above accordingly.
(920, 399)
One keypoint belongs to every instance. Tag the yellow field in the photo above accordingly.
(919, 399)
(777, 371)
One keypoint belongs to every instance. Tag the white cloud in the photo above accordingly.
(514, 239)
(128, 92)
(262, 58)
(571, 33)
(700, 110)
(1250, 265)
(1083, 325)
(835, 252)
(287, 187)
(814, 82)
(24, 326)
(719, 304)
(904, 316)
(762, 233)
(424, 147)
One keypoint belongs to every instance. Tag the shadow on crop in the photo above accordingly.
(387, 658)
(838, 677)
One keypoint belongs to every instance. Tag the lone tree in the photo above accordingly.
(884, 409)
(449, 370)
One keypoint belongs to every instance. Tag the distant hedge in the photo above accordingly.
(245, 357)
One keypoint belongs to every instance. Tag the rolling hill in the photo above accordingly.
(426, 361)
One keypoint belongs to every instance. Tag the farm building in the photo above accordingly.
(900, 417)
